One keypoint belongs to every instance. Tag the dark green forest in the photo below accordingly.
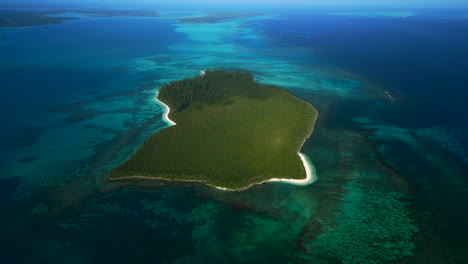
(231, 132)
(214, 87)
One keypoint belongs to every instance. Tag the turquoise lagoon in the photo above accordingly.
(78, 99)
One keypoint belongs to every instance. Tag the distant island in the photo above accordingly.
(228, 131)
(213, 17)
(104, 12)
(23, 18)
(10, 18)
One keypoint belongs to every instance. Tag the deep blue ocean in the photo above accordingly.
(390, 146)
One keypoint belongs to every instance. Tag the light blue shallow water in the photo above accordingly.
(62, 85)
(78, 99)
(72, 74)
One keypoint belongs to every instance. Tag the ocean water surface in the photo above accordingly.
(389, 147)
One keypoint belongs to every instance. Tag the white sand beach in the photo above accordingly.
(311, 175)
(166, 112)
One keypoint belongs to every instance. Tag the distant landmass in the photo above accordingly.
(231, 132)
(101, 12)
(23, 18)
(213, 17)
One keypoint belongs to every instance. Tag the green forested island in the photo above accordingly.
(230, 132)
(22, 18)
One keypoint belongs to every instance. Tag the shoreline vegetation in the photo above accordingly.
(149, 161)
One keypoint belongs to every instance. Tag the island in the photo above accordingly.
(10, 18)
(103, 12)
(21, 18)
(228, 131)
(213, 17)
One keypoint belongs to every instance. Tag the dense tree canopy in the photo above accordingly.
(231, 132)
(211, 88)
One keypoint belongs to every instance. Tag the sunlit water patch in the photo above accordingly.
(398, 14)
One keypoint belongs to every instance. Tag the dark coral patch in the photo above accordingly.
(27, 159)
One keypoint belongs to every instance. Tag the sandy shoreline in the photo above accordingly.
(311, 175)
(166, 112)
